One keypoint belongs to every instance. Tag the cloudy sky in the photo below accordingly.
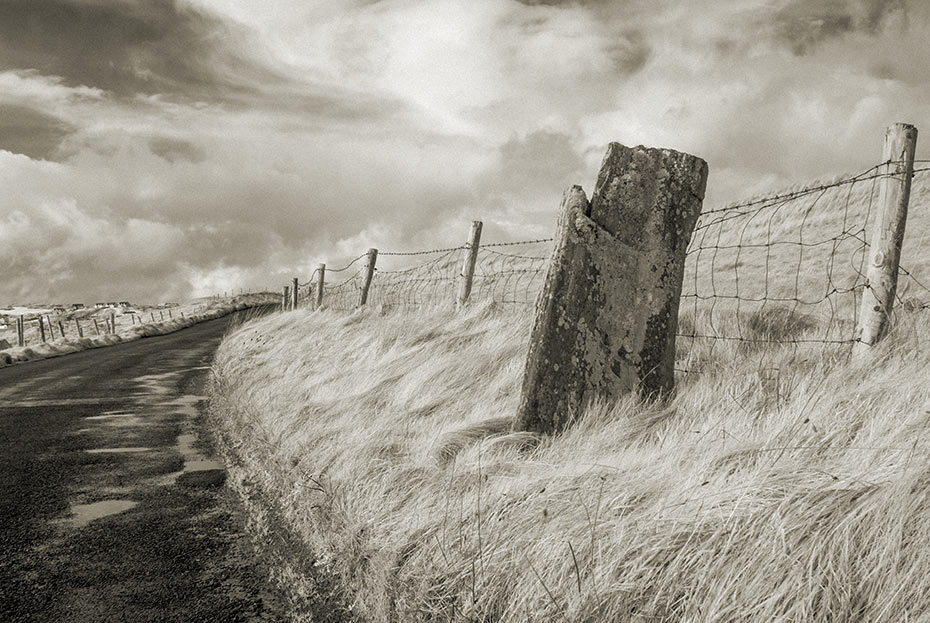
(163, 149)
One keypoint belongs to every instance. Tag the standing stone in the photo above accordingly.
(607, 316)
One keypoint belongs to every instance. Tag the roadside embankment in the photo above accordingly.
(64, 346)
(381, 443)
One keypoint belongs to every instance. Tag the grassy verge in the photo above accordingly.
(795, 490)
(64, 346)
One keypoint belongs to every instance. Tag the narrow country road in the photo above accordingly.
(111, 505)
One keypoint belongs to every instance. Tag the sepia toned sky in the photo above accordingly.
(155, 150)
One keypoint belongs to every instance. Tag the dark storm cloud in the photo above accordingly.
(125, 48)
(30, 132)
(543, 161)
(173, 150)
(804, 24)
(630, 53)
(130, 48)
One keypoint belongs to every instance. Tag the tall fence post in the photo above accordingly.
(42, 330)
(284, 297)
(608, 313)
(471, 258)
(20, 331)
(369, 274)
(77, 325)
(886, 236)
(61, 328)
(96, 327)
(113, 322)
(320, 281)
(295, 293)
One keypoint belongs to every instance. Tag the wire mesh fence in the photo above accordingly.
(786, 269)
(416, 279)
(512, 274)
(342, 294)
(509, 274)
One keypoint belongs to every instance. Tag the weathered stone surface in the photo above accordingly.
(607, 316)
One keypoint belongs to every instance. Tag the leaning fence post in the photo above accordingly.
(369, 273)
(471, 258)
(61, 328)
(320, 280)
(96, 327)
(295, 294)
(608, 313)
(77, 325)
(886, 236)
(284, 297)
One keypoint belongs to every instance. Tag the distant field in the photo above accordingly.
(124, 318)
(131, 323)
(782, 482)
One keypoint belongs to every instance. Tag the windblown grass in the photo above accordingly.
(794, 491)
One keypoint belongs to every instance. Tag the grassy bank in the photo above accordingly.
(194, 314)
(794, 490)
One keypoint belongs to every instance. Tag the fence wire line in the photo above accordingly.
(504, 278)
(759, 272)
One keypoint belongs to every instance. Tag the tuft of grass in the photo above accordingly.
(798, 490)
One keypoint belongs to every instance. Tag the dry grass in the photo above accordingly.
(798, 491)
(783, 482)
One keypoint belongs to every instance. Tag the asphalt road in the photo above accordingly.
(112, 507)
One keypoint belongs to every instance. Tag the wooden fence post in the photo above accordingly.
(369, 274)
(295, 294)
(161, 315)
(886, 236)
(113, 322)
(51, 329)
(61, 329)
(170, 317)
(284, 298)
(77, 325)
(471, 258)
(96, 327)
(42, 330)
(20, 331)
(320, 281)
(608, 313)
